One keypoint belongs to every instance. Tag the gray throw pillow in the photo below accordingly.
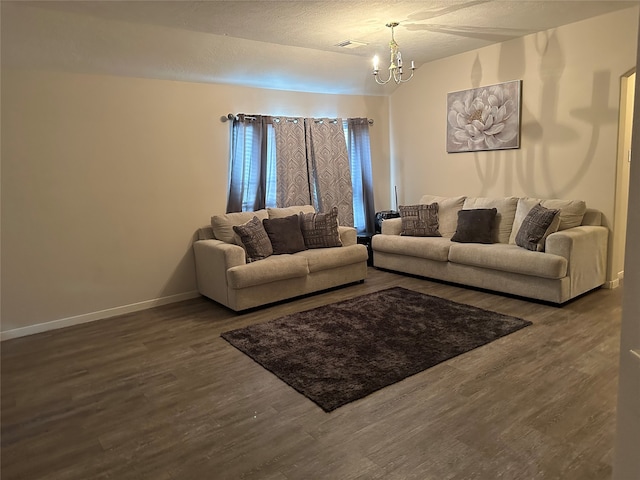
(475, 226)
(285, 234)
(254, 240)
(539, 223)
(420, 220)
(320, 230)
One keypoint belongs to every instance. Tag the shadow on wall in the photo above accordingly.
(531, 165)
(476, 72)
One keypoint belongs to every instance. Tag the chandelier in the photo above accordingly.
(395, 67)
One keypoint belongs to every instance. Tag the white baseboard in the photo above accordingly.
(615, 283)
(611, 284)
(99, 315)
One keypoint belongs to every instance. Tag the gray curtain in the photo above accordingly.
(248, 168)
(292, 182)
(329, 168)
(360, 158)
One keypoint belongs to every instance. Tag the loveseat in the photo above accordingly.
(566, 259)
(226, 272)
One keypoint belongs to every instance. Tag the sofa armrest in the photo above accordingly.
(213, 258)
(585, 249)
(391, 226)
(348, 235)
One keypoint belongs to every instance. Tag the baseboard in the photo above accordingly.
(93, 316)
(616, 282)
(611, 284)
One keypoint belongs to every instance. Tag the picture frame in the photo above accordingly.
(484, 118)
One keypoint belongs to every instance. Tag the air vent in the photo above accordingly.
(350, 44)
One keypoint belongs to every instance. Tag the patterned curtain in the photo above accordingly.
(329, 168)
(292, 178)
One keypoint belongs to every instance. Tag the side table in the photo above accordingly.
(365, 239)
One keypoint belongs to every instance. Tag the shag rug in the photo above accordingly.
(344, 351)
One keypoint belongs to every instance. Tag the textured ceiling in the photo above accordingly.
(273, 44)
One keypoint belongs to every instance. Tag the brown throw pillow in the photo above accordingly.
(285, 234)
(420, 220)
(254, 239)
(320, 230)
(539, 223)
(475, 225)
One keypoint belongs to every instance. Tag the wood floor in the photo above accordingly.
(159, 395)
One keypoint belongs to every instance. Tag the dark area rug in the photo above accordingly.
(341, 352)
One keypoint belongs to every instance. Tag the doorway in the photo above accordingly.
(623, 164)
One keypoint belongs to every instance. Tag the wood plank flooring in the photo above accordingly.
(159, 395)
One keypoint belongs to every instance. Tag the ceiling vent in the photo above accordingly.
(350, 44)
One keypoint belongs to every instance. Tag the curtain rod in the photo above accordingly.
(231, 116)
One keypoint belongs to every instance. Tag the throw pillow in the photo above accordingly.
(285, 234)
(539, 223)
(254, 239)
(475, 226)
(419, 220)
(506, 212)
(320, 230)
(525, 204)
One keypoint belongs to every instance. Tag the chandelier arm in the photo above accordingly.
(379, 80)
(395, 63)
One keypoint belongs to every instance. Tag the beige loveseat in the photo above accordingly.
(224, 274)
(573, 260)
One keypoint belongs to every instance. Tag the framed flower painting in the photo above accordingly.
(484, 118)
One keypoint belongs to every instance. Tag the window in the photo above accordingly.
(253, 175)
(358, 160)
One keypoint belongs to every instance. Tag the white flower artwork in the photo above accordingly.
(484, 118)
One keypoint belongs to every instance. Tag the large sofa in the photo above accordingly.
(225, 274)
(572, 259)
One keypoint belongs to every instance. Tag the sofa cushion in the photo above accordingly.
(254, 240)
(419, 220)
(509, 258)
(506, 212)
(272, 269)
(571, 211)
(281, 212)
(539, 223)
(592, 218)
(285, 234)
(327, 258)
(320, 230)
(432, 248)
(475, 226)
(223, 224)
(448, 208)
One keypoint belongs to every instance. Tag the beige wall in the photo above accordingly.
(105, 180)
(571, 87)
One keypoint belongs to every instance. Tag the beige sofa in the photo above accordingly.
(572, 263)
(224, 275)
